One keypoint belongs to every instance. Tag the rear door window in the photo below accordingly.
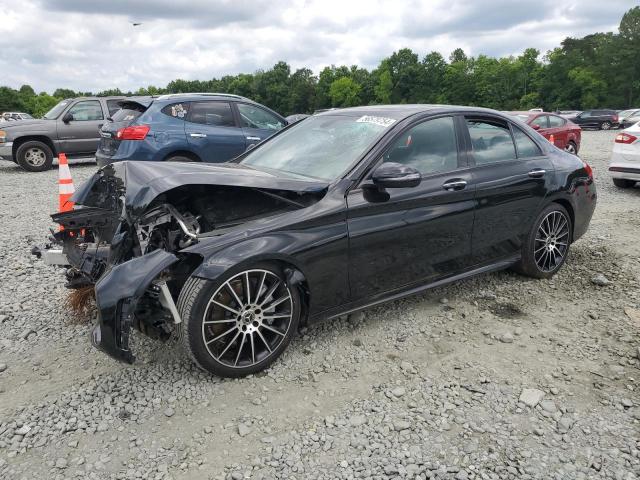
(541, 121)
(491, 141)
(555, 122)
(216, 114)
(526, 147)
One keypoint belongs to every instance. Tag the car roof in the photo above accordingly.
(199, 96)
(399, 112)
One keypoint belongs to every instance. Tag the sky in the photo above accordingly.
(89, 45)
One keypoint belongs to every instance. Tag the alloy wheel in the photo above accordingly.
(35, 157)
(605, 126)
(247, 318)
(571, 148)
(552, 241)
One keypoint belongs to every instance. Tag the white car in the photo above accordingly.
(625, 158)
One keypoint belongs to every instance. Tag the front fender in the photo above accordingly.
(249, 252)
(117, 294)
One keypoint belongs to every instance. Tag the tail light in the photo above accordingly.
(135, 132)
(625, 138)
(588, 169)
(615, 118)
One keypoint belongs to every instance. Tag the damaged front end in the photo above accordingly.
(130, 224)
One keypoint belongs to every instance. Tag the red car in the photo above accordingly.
(566, 134)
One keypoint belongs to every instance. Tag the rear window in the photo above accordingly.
(176, 110)
(113, 106)
(128, 113)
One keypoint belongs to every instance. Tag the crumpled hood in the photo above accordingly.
(139, 183)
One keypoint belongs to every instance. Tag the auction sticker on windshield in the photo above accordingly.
(382, 121)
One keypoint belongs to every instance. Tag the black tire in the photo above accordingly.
(532, 254)
(571, 148)
(623, 183)
(605, 126)
(34, 156)
(180, 158)
(194, 305)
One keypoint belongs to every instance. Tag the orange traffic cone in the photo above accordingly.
(552, 140)
(65, 184)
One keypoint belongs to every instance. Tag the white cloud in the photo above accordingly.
(91, 46)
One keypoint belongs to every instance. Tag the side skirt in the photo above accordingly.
(361, 305)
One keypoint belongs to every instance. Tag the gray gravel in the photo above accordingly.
(496, 377)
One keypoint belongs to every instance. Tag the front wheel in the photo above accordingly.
(34, 156)
(241, 323)
(605, 126)
(547, 244)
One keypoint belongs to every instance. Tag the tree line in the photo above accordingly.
(598, 70)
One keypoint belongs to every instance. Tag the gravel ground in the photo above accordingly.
(496, 377)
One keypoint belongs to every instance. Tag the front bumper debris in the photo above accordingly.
(54, 256)
(117, 294)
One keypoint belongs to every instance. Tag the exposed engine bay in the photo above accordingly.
(127, 234)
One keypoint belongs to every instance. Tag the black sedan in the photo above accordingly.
(348, 209)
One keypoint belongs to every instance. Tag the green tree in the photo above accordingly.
(344, 92)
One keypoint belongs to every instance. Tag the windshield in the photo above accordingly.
(321, 147)
(57, 110)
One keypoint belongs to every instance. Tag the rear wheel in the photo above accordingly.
(571, 148)
(623, 183)
(241, 323)
(34, 156)
(605, 126)
(547, 244)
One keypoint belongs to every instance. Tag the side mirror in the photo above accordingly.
(396, 175)
(535, 127)
(67, 117)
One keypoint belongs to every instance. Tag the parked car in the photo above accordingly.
(200, 127)
(14, 116)
(625, 158)
(342, 211)
(566, 134)
(296, 117)
(627, 118)
(70, 127)
(568, 113)
(600, 119)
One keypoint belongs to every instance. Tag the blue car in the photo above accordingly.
(194, 127)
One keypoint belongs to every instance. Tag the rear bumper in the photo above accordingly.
(626, 173)
(625, 162)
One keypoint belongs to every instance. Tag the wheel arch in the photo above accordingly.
(33, 138)
(182, 153)
(213, 268)
(570, 210)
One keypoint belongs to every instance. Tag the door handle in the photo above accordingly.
(454, 185)
(254, 138)
(198, 135)
(537, 173)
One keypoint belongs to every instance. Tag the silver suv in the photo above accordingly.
(71, 127)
